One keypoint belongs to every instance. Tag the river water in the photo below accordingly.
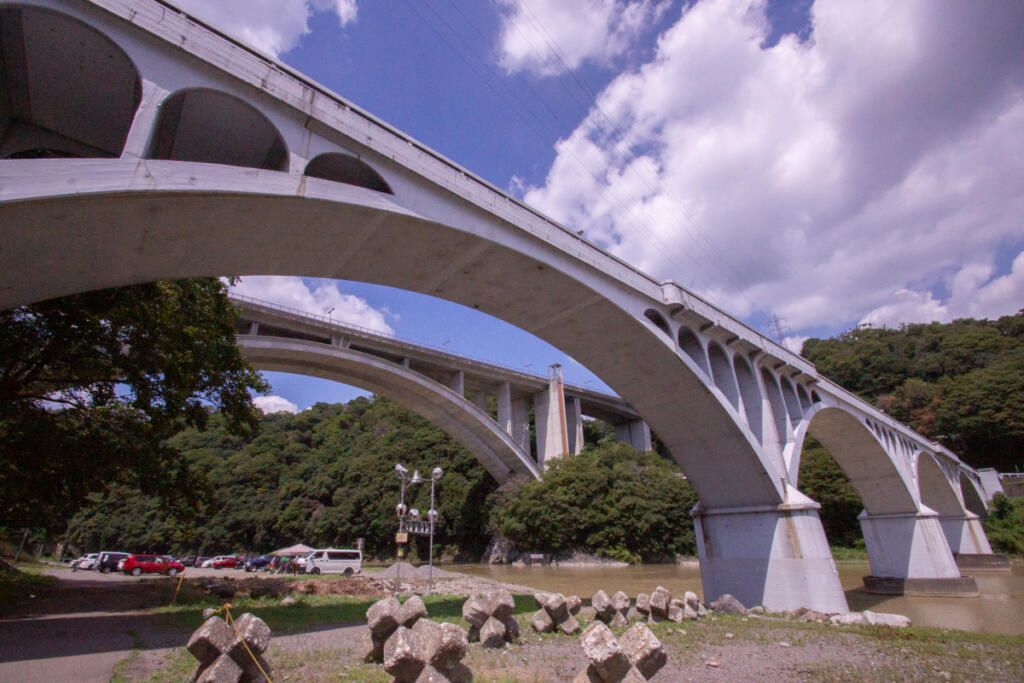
(998, 609)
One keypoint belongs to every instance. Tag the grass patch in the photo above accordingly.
(314, 610)
(842, 554)
(15, 588)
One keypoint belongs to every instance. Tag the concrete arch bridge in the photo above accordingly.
(137, 143)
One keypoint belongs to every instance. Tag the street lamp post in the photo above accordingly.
(401, 510)
(432, 515)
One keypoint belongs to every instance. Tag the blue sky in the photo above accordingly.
(832, 163)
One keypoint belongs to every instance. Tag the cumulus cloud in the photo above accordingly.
(840, 178)
(274, 404)
(319, 298)
(975, 294)
(271, 26)
(548, 37)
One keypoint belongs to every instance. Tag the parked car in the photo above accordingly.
(85, 562)
(137, 565)
(200, 560)
(254, 564)
(222, 562)
(188, 560)
(334, 561)
(109, 560)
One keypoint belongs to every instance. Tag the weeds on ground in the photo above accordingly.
(16, 588)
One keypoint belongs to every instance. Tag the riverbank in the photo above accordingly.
(127, 629)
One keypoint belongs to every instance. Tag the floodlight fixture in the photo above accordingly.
(436, 474)
(416, 478)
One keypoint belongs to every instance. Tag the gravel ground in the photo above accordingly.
(90, 622)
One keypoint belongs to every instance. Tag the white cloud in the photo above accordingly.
(274, 404)
(324, 296)
(975, 294)
(271, 26)
(829, 180)
(548, 37)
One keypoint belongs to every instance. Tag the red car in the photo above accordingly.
(226, 562)
(137, 565)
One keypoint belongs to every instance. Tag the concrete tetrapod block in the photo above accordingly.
(412, 611)
(604, 610)
(384, 616)
(643, 604)
(660, 600)
(604, 652)
(644, 650)
(403, 655)
(227, 656)
(555, 613)
(492, 614)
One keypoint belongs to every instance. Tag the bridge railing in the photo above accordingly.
(332, 324)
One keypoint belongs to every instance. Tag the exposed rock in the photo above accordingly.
(288, 601)
(691, 599)
(727, 604)
(883, 619)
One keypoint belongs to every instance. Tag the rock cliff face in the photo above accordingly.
(500, 551)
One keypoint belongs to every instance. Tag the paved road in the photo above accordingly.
(80, 631)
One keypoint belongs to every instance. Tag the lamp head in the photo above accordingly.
(416, 478)
(414, 514)
(436, 474)
(400, 510)
(401, 470)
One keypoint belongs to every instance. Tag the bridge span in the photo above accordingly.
(137, 144)
(422, 378)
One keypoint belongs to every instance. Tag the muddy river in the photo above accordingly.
(998, 609)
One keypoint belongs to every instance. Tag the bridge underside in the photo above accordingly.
(462, 420)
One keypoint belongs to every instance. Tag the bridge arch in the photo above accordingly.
(865, 461)
(210, 126)
(937, 492)
(459, 418)
(345, 168)
(974, 499)
(68, 89)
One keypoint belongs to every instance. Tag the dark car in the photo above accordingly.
(256, 563)
(188, 560)
(109, 560)
(136, 565)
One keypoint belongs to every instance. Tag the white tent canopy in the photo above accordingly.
(293, 550)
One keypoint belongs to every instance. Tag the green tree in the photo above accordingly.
(92, 385)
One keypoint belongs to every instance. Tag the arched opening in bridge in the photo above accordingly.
(936, 489)
(659, 321)
(750, 393)
(67, 90)
(721, 372)
(213, 127)
(343, 168)
(845, 468)
(973, 499)
(690, 344)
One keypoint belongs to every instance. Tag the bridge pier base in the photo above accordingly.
(965, 534)
(775, 556)
(909, 555)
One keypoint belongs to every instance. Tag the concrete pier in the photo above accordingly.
(777, 557)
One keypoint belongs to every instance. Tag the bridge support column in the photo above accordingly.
(965, 534)
(457, 383)
(776, 556)
(549, 414)
(636, 433)
(514, 416)
(574, 422)
(909, 555)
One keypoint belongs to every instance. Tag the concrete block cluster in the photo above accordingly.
(632, 658)
(412, 648)
(661, 606)
(490, 618)
(556, 613)
(222, 653)
(613, 611)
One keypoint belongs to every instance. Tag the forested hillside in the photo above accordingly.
(961, 383)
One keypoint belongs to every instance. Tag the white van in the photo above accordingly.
(334, 561)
